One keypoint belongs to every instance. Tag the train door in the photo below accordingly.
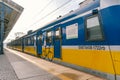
(39, 44)
(23, 44)
(57, 43)
(49, 38)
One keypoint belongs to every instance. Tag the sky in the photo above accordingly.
(38, 13)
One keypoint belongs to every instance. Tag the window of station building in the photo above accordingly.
(93, 29)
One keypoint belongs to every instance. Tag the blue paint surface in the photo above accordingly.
(110, 25)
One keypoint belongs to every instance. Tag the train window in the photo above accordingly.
(72, 31)
(32, 40)
(29, 41)
(18, 42)
(49, 37)
(57, 33)
(93, 29)
(49, 34)
(26, 41)
(40, 38)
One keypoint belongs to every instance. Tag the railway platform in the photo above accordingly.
(16, 65)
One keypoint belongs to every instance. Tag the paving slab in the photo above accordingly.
(26, 70)
(6, 70)
(43, 77)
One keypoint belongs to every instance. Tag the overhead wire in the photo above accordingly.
(46, 6)
(64, 9)
(66, 3)
(52, 11)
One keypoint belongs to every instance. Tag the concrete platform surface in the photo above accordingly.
(6, 69)
(28, 67)
(26, 70)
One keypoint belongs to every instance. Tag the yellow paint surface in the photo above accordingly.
(93, 59)
(31, 50)
(45, 51)
(99, 60)
(18, 48)
(116, 59)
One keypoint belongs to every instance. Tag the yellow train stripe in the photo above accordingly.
(116, 59)
(99, 60)
(30, 50)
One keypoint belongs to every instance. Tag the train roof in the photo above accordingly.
(92, 5)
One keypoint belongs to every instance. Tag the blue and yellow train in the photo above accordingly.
(87, 39)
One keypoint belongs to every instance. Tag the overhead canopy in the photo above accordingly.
(12, 11)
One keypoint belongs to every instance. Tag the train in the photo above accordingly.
(87, 39)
